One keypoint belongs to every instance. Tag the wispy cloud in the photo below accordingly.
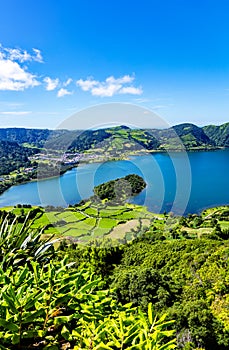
(63, 92)
(38, 56)
(142, 100)
(46, 113)
(19, 113)
(20, 55)
(110, 87)
(11, 104)
(51, 84)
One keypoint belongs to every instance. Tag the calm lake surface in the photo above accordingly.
(179, 182)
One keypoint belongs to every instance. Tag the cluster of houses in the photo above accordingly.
(66, 158)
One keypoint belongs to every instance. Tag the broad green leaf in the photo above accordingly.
(65, 333)
(9, 325)
(10, 303)
(88, 286)
(58, 320)
(15, 339)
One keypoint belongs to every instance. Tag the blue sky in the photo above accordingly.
(59, 57)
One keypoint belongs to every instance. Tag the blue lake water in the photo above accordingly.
(179, 182)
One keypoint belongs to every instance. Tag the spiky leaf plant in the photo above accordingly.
(20, 243)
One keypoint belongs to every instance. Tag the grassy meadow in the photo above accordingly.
(89, 221)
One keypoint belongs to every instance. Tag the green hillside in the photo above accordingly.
(184, 136)
(13, 156)
(218, 134)
(118, 138)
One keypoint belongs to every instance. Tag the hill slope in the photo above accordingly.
(188, 136)
(13, 156)
(218, 134)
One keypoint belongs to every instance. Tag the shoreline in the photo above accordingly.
(126, 156)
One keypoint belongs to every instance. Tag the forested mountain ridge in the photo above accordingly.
(188, 135)
(219, 134)
(35, 137)
(13, 156)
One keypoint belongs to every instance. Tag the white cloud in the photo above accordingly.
(87, 85)
(62, 92)
(15, 113)
(131, 90)
(110, 87)
(38, 57)
(14, 77)
(106, 90)
(51, 84)
(123, 80)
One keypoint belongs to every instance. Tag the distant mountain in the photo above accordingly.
(184, 135)
(87, 139)
(188, 136)
(18, 144)
(117, 140)
(192, 133)
(35, 137)
(218, 134)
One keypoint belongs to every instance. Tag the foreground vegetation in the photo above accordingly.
(48, 302)
(71, 295)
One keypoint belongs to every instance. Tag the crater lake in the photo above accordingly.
(178, 181)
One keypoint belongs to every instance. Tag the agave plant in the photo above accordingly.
(19, 242)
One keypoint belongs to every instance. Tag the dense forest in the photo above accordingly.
(119, 190)
(187, 279)
(218, 134)
(13, 156)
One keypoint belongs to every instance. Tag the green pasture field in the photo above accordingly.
(91, 221)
